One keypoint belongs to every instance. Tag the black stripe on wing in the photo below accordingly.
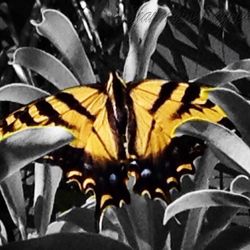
(74, 104)
(25, 117)
(165, 93)
(46, 109)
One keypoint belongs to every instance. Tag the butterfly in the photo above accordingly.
(120, 129)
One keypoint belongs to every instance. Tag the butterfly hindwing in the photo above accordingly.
(157, 108)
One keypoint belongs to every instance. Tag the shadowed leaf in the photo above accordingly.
(236, 237)
(66, 241)
(212, 227)
(81, 217)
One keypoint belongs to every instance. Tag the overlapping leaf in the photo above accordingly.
(46, 65)
(59, 30)
(148, 25)
(21, 93)
(205, 198)
(30, 144)
(227, 146)
(47, 179)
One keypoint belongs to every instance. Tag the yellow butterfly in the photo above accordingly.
(119, 129)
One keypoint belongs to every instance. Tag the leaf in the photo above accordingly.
(235, 237)
(25, 146)
(241, 64)
(46, 65)
(212, 227)
(240, 185)
(3, 234)
(21, 93)
(82, 217)
(226, 145)
(63, 227)
(234, 105)
(23, 74)
(141, 223)
(59, 30)
(231, 72)
(12, 191)
(66, 241)
(47, 179)
(218, 77)
(204, 168)
(199, 230)
(149, 22)
(205, 198)
(115, 229)
(229, 85)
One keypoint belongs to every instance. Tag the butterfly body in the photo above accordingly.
(119, 129)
